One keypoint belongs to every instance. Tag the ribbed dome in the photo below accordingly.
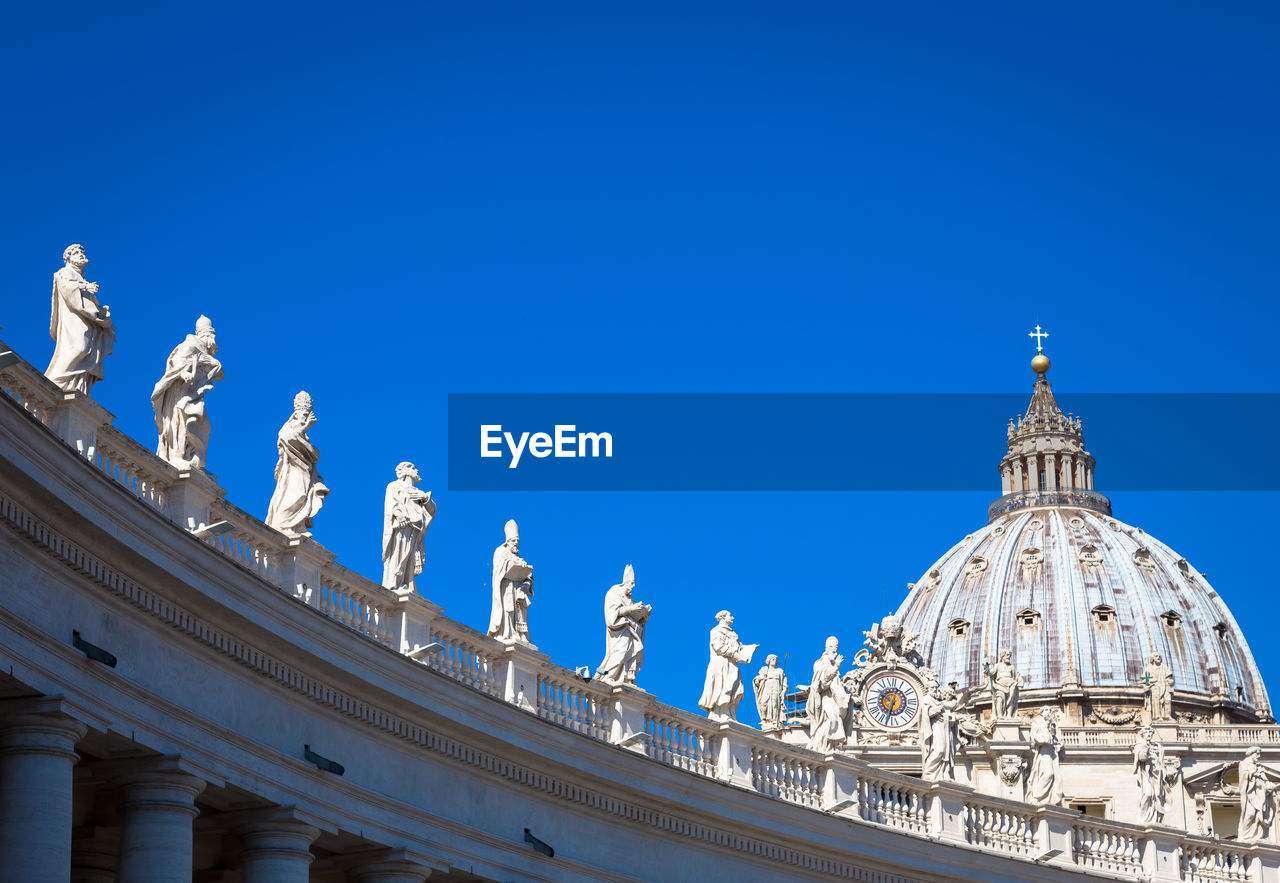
(1082, 599)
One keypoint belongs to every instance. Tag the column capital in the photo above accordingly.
(39, 727)
(275, 831)
(155, 782)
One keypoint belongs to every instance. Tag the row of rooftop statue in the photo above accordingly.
(84, 333)
(834, 704)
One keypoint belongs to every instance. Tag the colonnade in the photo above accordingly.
(1061, 472)
(157, 811)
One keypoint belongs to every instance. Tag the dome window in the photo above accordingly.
(1143, 559)
(1104, 615)
(1220, 629)
(959, 628)
(1035, 523)
(1076, 522)
(977, 564)
(1032, 557)
(1028, 618)
(1172, 619)
(1090, 556)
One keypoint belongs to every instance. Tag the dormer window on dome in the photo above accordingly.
(1028, 618)
(1171, 619)
(1104, 614)
(959, 627)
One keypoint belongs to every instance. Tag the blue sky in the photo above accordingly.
(385, 204)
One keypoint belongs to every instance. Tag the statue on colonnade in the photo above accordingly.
(828, 702)
(512, 589)
(82, 328)
(299, 491)
(624, 622)
(407, 513)
(178, 398)
(722, 689)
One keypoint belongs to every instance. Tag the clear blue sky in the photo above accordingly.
(385, 204)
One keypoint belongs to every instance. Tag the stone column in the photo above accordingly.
(157, 807)
(392, 866)
(276, 847)
(37, 754)
(1068, 473)
(1051, 472)
(1017, 476)
(1033, 473)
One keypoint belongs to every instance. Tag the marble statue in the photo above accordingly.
(81, 328)
(299, 491)
(1158, 679)
(828, 702)
(1043, 781)
(406, 514)
(1257, 808)
(512, 589)
(624, 622)
(178, 398)
(771, 694)
(1153, 775)
(941, 721)
(1005, 681)
(722, 690)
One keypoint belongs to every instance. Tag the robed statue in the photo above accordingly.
(1257, 806)
(771, 694)
(178, 398)
(512, 589)
(1044, 783)
(828, 702)
(406, 515)
(81, 328)
(722, 689)
(624, 622)
(1158, 679)
(299, 491)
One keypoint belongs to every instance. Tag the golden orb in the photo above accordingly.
(1040, 364)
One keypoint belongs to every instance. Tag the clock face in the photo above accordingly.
(892, 701)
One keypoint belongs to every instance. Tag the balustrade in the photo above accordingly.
(567, 700)
(466, 656)
(249, 543)
(681, 740)
(777, 772)
(1106, 849)
(144, 474)
(1001, 828)
(893, 803)
(1213, 863)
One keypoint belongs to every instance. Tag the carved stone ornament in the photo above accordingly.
(1032, 558)
(1113, 715)
(1075, 522)
(1035, 524)
(1010, 767)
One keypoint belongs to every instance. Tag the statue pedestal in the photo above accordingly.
(1007, 730)
(734, 756)
(76, 422)
(519, 665)
(302, 569)
(627, 726)
(188, 499)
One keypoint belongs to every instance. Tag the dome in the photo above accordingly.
(1083, 600)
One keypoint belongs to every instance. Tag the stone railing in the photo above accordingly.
(1081, 499)
(128, 463)
(791, 775)
(566, 699)
(1098, 736)
(729, 753)
(1001, 827)
(248, 542)
(31, 389)
(682, 740)
(1229, 734)
(1106, 847)
(1209, 861)
(465, 655)
(358, 603)
(899, 802)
